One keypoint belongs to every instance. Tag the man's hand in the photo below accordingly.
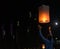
(39, 27)
(50, 30)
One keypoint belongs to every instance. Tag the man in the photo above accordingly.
(49, 43)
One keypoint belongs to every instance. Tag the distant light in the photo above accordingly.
(3, 32)
(30, 14)
(35, 19)
(17, 23)
(28, 48)
(13, 37)
(54, 48)
(43, 46)
(56, 38)
(27, 30)
(56, 23)
(24, 48)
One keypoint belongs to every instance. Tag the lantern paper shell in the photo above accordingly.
(43, 16)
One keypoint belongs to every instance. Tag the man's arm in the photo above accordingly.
(51, 34)
(41, 34)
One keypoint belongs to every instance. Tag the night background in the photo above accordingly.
(19, 19)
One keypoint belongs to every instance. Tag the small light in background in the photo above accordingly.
(34, 48)
(17, 23)
(35, 19)
(30, 14)
(24, 48)
(43, 46)
(13, 36)
(56, 38)
(56, 23)
(3, 34)
(28, 48)
(27, 30)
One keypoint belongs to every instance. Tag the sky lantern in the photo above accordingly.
(43, 16)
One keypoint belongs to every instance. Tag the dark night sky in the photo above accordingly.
(19, 10)
(24, 7)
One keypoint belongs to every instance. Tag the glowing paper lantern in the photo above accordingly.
(44, 14)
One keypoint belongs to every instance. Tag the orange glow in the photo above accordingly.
(43, 16)
(43, 46)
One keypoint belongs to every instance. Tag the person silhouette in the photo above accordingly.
(48, 43)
